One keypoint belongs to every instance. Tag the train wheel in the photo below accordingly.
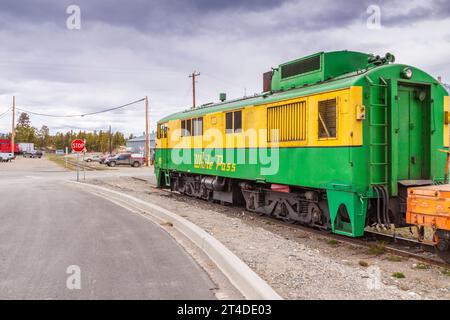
(443, 245)
(284, 214)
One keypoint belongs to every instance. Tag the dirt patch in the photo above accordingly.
(21, 164)
(299, 264)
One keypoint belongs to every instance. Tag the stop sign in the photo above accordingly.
(78, 145)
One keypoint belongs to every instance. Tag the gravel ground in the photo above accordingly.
(299, 264)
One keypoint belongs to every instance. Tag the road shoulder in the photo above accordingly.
(186, 236)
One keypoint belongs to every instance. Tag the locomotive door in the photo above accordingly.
(413, 116)
(164, 146)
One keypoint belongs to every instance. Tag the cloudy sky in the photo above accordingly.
(126, 50)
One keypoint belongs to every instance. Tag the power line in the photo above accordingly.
(224, 81)
(89, 68)
(80, 115)
(4, 113)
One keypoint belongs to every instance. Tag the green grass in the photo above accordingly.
(446, 272)
(59, 160)
(363, 263)
(333, 242)
(377, 249)
(422, 266)
(394, 258)
(398, 275)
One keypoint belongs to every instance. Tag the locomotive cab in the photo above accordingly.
(414, 127)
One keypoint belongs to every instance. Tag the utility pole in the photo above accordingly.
(193, 75)
(110, 140)
(13, 132)
(147, 139)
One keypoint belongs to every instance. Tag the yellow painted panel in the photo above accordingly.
(446, 111)
(255, 123)
(214, 130)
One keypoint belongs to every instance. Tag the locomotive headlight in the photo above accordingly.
(407, 73)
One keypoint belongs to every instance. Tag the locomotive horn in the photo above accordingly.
(389, 57)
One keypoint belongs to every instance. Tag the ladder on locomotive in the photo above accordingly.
(378, 133)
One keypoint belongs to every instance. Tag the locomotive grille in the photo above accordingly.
(327, 118)
(287, 122)
(300, 67)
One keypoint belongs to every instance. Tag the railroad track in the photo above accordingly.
(83, 166)
(392, 244)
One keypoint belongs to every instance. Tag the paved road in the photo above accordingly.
(47, 226)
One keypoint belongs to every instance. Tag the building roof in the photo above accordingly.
(152, 136)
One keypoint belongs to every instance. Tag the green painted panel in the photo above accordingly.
(413, 135)
(311, 167)
(355, 207)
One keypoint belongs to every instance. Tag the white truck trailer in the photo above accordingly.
(26, 147)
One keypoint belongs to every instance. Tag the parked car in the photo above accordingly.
(6, 156)
(125, 159)
(92, 158)
(33, 154)
(105, 157)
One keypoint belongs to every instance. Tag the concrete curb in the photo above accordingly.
(252, 286)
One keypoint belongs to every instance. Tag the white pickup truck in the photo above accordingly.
(5, 157)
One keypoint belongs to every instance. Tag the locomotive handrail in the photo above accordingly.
(398, 114)
(368, 80)
(433, 115)
(446, 164)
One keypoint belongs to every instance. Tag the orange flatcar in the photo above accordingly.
(429, 206)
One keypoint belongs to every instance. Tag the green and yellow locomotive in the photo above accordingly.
(334, 141)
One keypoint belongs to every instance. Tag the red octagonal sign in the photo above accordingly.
(78, 145)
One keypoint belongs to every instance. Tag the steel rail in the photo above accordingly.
(393, 244)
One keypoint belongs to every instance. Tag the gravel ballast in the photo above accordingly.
(298, 264)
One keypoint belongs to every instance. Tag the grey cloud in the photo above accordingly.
(186, 17)
(127, 50)
(428, 10)
(141, 14)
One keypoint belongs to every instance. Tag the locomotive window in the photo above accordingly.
(229, 122)
(183, 128)
(188, 128)
(194, 127)
(197, 126)
(199, 131)
(327, 118)
(238, 121)
(233, 122)
(162, 132)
